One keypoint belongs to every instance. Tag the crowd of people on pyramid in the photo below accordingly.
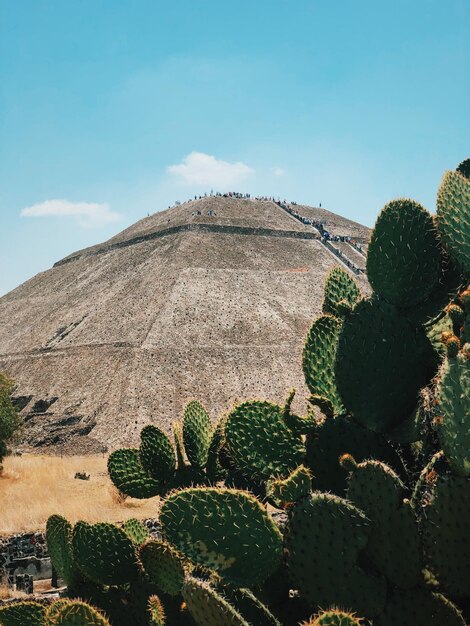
(323, 234)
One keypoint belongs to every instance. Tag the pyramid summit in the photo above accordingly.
(210, 299)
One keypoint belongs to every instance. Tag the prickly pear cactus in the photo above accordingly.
(380, 366)
(197, 433)
(136, 531)
(336, 436)
(74, 613)
(164, 566)
(260, 443)
(394, 545)
(334, 617)
(223, 529)
(296, 486)
(403, 260)
(207, 607)
(104, 553)
(214, 468)
(341, 292)
(442, 502)
(59, 545)
(157, 612)
(319, 356)
(157, 454)
(325, 537)
(247, 604)
(453, 214)
(23, 614)
(452, 412)
(129, 476)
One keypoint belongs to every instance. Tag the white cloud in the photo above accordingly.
(88, 214)
(202, 169)
(278, 171)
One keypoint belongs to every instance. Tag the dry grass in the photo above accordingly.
(32, 487)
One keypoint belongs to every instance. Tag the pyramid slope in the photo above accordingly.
(117, 338)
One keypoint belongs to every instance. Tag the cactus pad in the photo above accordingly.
(403, 260)
(209, 608)
(223, 529)
(74, 613)
(339, 288)
(164, 566)
(104, 553)
(394, 544)
(136, 531)
(59, 545)
(444, 511)
(452, 421)
(379, 365)
(334, 617)
(453, 214)
(157, 612)
(129, 476)
(319, 358)
(291, 489)
(325, 537)
(197, 433)
(260, 443)
(214, 469)
(334, 437)
(23, 614)
(156, 453)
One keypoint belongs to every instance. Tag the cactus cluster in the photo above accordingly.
(156, 467)
(371, 486)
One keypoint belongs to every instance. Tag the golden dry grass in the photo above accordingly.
(32, 487)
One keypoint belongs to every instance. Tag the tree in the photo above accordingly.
(10, 421)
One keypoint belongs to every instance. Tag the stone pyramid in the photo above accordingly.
(210, 299)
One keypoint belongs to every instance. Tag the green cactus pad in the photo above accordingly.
(104, 553)
(339, 287)
(452, 421)
(23, 614)
(334, 617)
(394, 544)
(442, 500)
(291, 489)
(164, 566)
(453, 214)
(247, 604)
(74, 613)
(334, 437)
(157, 454)
(197, 434)
(59, 545)
(157, 612)
(260, 443)
(223, 529)
(129, 476)
(419, 607)
(136, 531)
(380, 366)
(403, 259)
(209, 608)
(319, 356)
(214, 469)
(178, 437)
(325, 537)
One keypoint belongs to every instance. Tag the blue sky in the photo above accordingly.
(110, 109)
